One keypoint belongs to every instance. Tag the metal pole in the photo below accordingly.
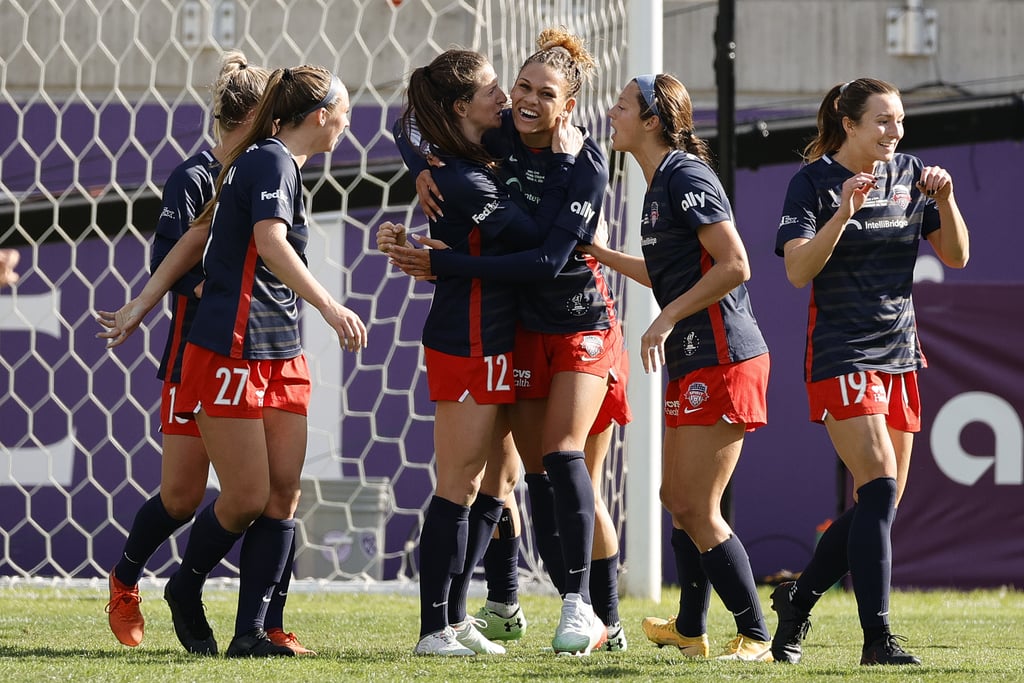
(725, 81)
(644, 537)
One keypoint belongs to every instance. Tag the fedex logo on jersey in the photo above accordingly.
(276, 194)
(486, 211)
(787, 220)
(585, 209)
(167, 213)
(693, 199)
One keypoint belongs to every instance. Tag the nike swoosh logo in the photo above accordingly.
(687, 411)
(736, 614)
(577, 571)
(440, 604)
(266, 598)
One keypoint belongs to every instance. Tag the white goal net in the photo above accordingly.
(99, 101)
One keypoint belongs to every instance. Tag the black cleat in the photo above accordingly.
(190, 625)
(256, 643)
(794, 623)
(886, 650)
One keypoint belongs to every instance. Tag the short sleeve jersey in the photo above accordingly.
(861, 315)
(470, 316)
(245, 311)
(186, 191)
(579, 298)
(684, 195)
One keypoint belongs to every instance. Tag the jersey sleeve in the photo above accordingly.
(799, 213)
(276, 197)
(585, 195)
(183, 199)
(542, 263)
(411, 146)
(697, 197)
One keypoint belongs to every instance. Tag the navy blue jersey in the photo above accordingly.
(186, 191)
(861, 316)
(246, 312)
(578, 298)
(684, 195)
(472, 316)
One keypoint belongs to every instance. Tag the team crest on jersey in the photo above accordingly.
(900, 196)
(593, 346)
(696, 394)
(691, 342)
(578, 305)
(654, 212)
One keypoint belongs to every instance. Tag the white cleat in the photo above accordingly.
(443, 643)
(579, 630)
(469, 637)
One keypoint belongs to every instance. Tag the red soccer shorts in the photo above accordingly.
(488, 379)
(615, 407)
(237, 387)
(540, 356)
(735, 392)
(169, 422)
(868, 392)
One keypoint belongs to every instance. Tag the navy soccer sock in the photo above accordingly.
(545, 528)
(694, 587)
(574, 507)
(152, 526)
(208, 543)
(264, 554)
(728, 568)
(443, 541)
(870, 553)
(828, 565)
(483, 518)
(604, 588)
(501, 563)
(275, 611)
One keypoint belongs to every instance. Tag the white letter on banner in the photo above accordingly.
(1001, 418)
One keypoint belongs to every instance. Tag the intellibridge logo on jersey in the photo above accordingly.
(880, 223)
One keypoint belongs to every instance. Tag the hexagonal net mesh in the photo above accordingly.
(100, 101)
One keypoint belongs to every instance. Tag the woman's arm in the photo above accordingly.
(951, 241)
(271, 237)
(730, 269)
(804, 257)
(185, 254)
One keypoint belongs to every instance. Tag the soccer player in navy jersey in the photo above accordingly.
(184, 464)
(247, 382)
(708, 340)
(851, 224)
(469, 332)
(568, 348)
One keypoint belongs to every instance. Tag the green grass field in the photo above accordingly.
(60, 634)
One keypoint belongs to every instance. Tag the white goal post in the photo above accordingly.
(98, 105)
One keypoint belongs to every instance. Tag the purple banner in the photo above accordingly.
(962, 518)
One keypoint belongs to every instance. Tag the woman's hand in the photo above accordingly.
(566, 138)
(429, 194)
(936, 182)
(416, 262)
(120, 323)
(390, 235)
(652, 343)
(855, 191)
(347, 325)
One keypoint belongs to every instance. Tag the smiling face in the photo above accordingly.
(539, 97)
(875, 136)
(483, 111)
(626, 124)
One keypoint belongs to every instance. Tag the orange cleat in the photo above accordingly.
(278, 636)
(124, 615)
